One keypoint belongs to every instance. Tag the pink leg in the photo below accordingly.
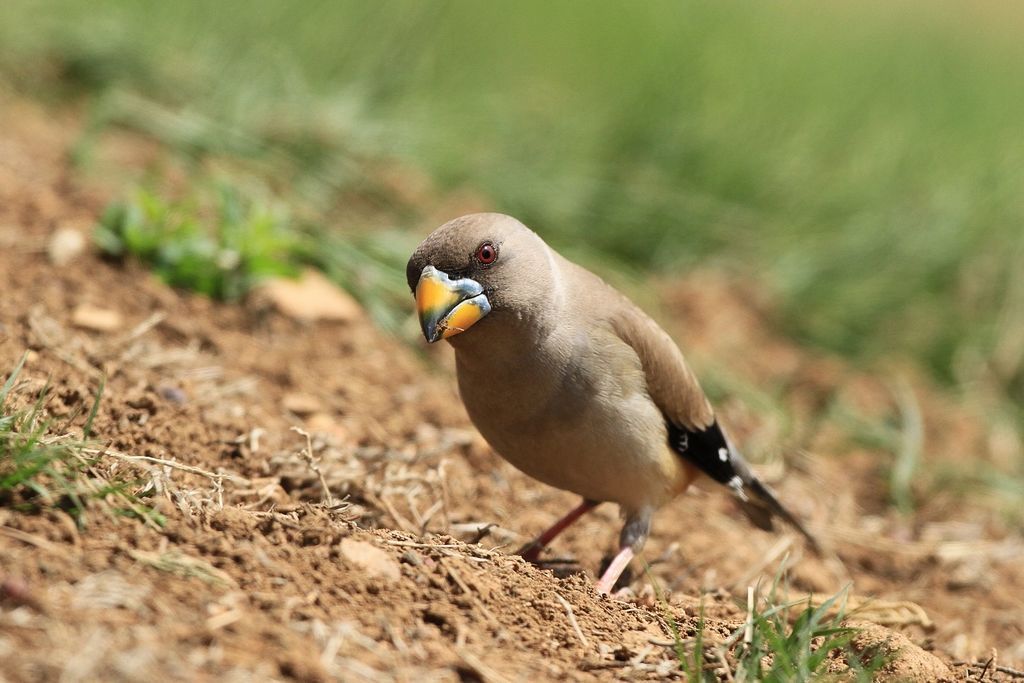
(531, 551)
(614, 571)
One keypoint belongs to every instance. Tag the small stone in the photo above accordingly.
(97, 319)
(370, 558)
(427, 435)
(302, 404)
(311, 297)
(172, 394)
(65, 245)
(409, 557)
(322, 423)
(972, 572)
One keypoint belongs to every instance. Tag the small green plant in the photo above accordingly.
(239, 244)
(693, 663)
(779, 651)
(38, 470)
(224, 250)
(769, 647)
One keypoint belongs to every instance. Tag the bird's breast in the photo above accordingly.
(575, 424)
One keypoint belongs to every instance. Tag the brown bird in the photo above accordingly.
(571, 382)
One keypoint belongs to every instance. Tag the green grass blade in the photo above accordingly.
(87, 429)
(12, 378)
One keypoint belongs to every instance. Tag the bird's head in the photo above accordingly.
(477, 266)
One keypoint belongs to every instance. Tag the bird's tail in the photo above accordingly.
(760, 505)
(712, 451)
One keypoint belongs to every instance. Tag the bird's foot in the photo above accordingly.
(561, 567)
(614, 571)
(531, 552)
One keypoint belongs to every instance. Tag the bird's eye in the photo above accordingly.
(486, 254)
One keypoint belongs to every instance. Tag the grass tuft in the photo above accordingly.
(793, 651)
(220, 251)
(222, 246)
(772, 645)
(40, 471)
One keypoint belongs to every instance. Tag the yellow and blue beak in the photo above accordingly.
(447, 307)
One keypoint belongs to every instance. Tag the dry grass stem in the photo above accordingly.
(486, 673)
(212, 476)
(29, 539)
(176, 562)
(884, 612)
(572, 620)
(748, 627)
(307, 455)
(469, 548)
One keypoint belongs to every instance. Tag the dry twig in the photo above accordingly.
(307, 454)
(987, 665)
(30, 539)
(486, 673)
(572, 620)
(212, 476)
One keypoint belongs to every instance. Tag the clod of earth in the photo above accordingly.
(65, 245)
(906, 661)
(312, 297)
(97, 319)
(370, 559)
(302, 404)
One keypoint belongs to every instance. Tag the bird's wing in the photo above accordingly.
(693, 431)
(670, 383)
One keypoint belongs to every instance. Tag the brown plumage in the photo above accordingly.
(569, 381)
(671, 384)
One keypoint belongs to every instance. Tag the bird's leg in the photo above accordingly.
(614, 570)
(531, 551)
(631, 540)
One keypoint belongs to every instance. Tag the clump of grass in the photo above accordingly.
(692, 660)
(225, 245)
(39, 471)
(222, 254)
(773, 649)
(771, 646)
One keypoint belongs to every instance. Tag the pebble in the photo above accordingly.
(311, 297)
(97, 319)
(65, 245)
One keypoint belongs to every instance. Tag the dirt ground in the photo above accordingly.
(252, 576)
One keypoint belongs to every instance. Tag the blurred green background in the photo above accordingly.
(863, 162)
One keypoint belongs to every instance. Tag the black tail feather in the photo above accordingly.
(768, 505)
(710, 450)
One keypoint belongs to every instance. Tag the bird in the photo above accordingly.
(572, 383)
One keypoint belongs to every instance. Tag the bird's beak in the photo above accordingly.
(447, 307)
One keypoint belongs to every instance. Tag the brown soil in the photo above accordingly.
(252, 576)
